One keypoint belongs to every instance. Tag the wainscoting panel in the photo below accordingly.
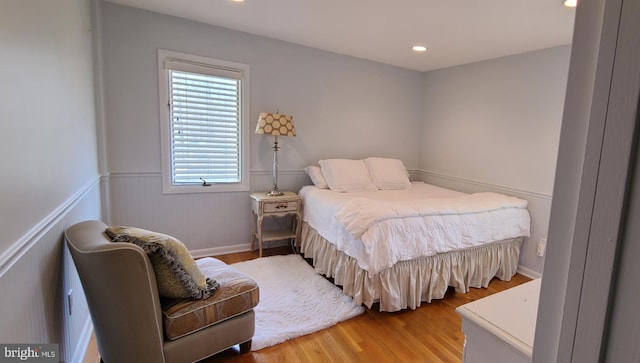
(34, 306)
(214, 223)
(206, 222)
(539, 206)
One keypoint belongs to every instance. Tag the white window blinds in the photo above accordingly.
(205, 130)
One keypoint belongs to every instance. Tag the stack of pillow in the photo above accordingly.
(370, 174)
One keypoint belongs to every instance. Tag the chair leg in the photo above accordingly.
(245, 347)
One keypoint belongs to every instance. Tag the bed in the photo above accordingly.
(387, 240)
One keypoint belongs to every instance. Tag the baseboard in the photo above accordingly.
(528, 272)
(225, 250)
(83, 342)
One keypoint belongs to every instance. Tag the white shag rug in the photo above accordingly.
(294, 300)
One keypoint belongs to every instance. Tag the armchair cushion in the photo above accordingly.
(236, 295)
(177, 274)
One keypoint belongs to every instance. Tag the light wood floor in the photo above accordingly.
(431, 333)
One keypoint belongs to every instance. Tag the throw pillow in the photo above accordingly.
(177, 274)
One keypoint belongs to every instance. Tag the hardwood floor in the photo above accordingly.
(431, 333)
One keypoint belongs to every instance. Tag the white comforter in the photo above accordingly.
(383, 227)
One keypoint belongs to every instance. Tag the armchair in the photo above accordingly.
(131, 320)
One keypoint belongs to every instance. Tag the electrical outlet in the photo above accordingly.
(70, 301)
(542, 247)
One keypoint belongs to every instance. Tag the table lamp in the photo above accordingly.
(277, 125)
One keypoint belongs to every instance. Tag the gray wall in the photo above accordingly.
(48, 104)
(576, 179)
(494, 126)
(342, 107)
(584, 314)
(50, 177)
(47, 109)
(466, 123)
(496, 121)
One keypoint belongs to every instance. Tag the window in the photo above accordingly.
(202, 111)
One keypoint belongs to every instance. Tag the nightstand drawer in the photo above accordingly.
(278, 207)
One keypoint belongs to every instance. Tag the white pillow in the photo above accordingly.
(388, 173)
(344, 175)
(315, 173)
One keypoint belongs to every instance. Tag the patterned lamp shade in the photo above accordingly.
(275, 124)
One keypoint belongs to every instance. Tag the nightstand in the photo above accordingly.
(263, 205)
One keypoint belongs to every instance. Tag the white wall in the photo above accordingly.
(495, 125)
(342, 107)
(50, 177)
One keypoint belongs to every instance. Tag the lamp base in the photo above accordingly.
(275, 193)
(274, 190)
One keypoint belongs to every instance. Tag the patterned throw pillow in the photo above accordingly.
(177, 274)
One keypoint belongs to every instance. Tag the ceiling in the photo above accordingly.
(454, 31)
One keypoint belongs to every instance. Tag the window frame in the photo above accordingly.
(205, 65)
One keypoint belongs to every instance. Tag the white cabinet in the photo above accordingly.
(500, 328)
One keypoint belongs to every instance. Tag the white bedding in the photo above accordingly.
(408, 225)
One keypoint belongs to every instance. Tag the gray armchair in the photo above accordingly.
(131, 321)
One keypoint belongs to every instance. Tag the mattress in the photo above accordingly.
(411, 228)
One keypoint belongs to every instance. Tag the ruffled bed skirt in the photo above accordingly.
(408, 283)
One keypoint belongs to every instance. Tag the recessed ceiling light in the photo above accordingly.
(419, 48)
(570, 3)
